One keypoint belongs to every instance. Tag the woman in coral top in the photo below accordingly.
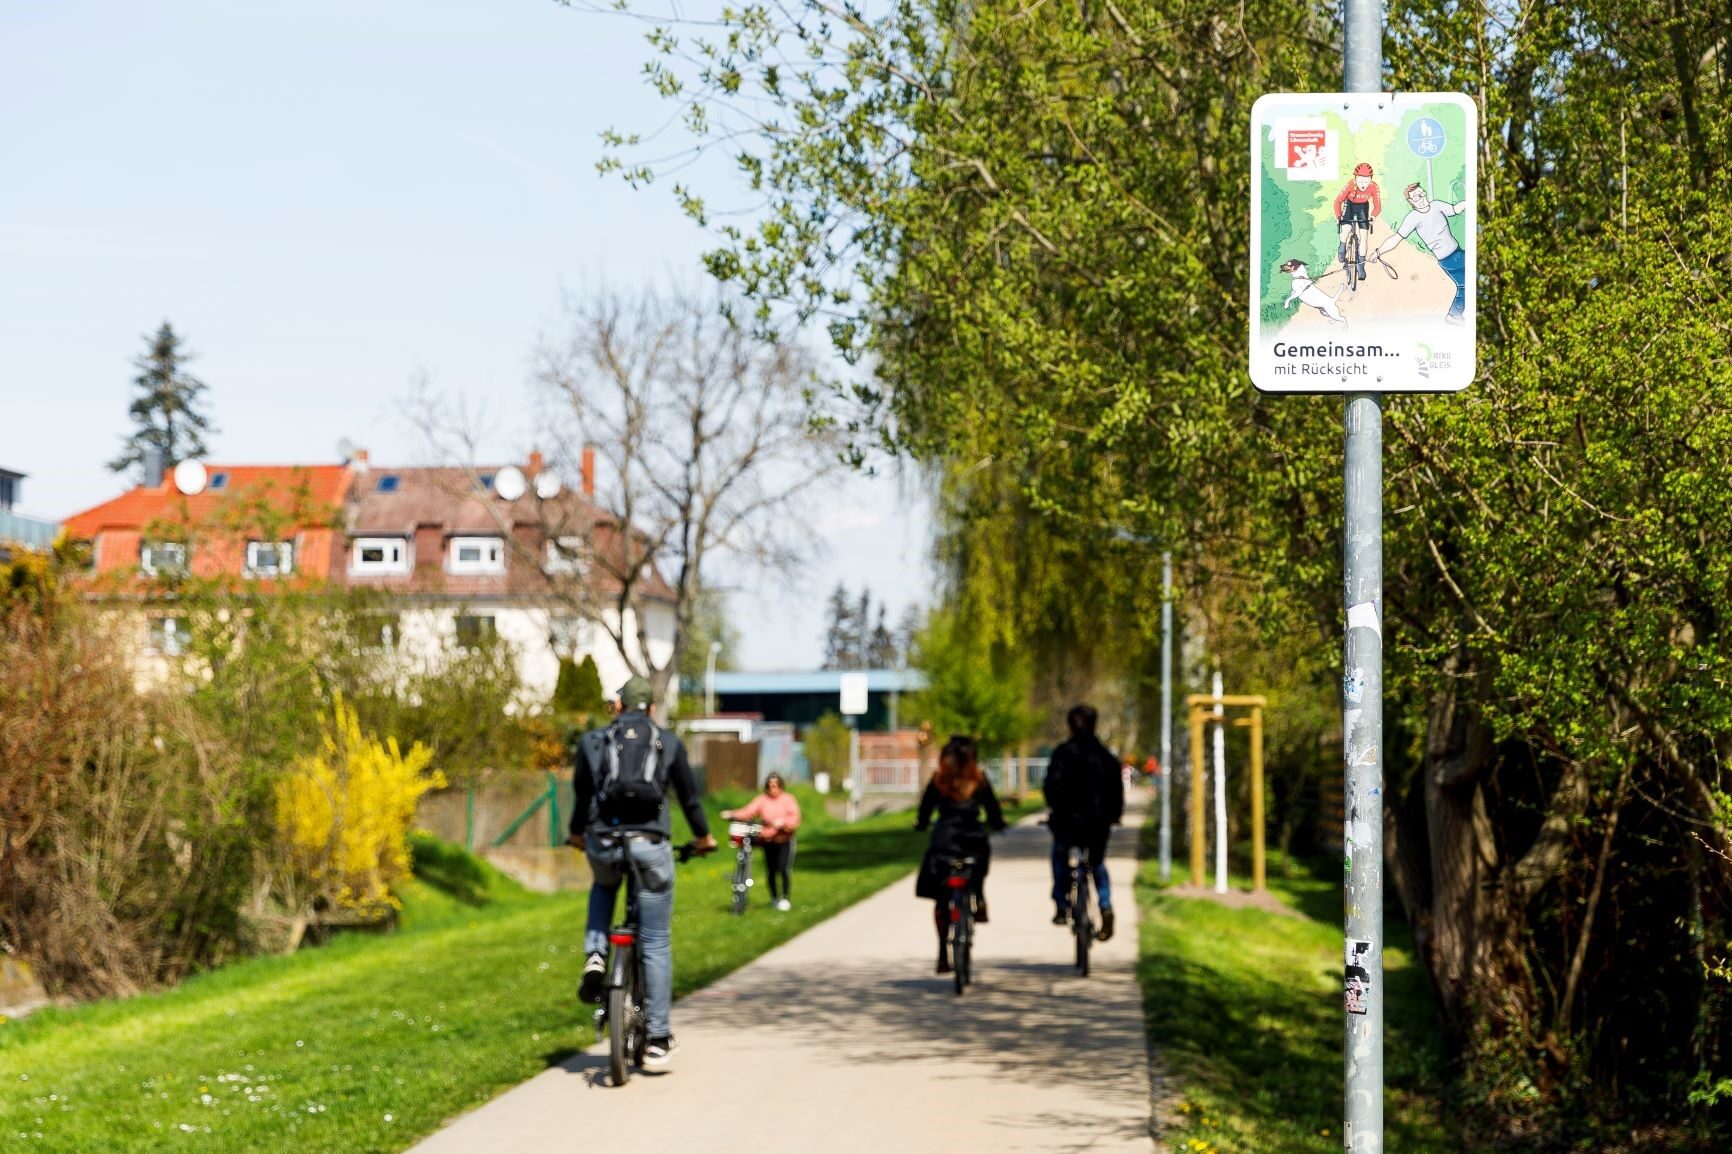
(780, 815)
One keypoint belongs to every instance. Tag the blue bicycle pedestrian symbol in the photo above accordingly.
(1425, 137)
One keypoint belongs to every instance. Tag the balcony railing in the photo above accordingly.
(27, 531)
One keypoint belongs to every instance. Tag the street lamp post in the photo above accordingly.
(710, 678)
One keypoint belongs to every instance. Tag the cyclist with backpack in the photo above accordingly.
(1086, 795)
(622, 776)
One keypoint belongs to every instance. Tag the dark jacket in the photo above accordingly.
(960, 831)
(587, 812)
(1084, 790)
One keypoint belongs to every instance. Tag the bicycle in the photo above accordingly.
(622, 1009)
(743, 835)
(960, 883)
(1082, 926)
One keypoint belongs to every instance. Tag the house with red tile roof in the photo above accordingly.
(466, 554)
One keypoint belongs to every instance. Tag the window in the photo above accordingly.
(168, 636)
(388, 483)
(270, 558)
(566, 555)
(477, 555)
(474, 630)
(379, 555)
(8, 492)
(162, 557)
(568, 635)
(219, 481)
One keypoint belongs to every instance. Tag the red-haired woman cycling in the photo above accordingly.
(961, 797)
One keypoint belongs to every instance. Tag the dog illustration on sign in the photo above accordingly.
(1307, 291)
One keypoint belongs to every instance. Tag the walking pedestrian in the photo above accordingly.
(779, 812)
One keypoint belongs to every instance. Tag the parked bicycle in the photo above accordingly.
(743, 835)
(622, 1009)
(960, 883)
(1082, 925)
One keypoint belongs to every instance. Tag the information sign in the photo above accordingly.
(1362, 242)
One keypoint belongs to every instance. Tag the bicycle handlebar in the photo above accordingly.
(690, 850)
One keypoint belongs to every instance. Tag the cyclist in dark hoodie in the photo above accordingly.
(1086, 795)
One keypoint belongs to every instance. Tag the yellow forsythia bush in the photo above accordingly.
(345, 813)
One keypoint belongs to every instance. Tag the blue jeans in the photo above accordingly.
(655, 915)
(1455, 267)
(1061, 874)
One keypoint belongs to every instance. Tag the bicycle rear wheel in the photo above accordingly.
(619, 1029)
(1353, 258)
(961, 948)
(1080, 924)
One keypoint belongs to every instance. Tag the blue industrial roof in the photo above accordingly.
(820, 681)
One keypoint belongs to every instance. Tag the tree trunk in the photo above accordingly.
(1463, 853)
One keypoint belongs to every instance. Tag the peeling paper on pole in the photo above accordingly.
(1353, 689)
(1364, 616)
(1358, 975)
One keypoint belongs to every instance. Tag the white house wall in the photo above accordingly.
(426, 630)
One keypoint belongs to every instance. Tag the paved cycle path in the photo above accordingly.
(844, 1041)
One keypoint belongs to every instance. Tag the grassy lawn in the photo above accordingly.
(1244, 1009)
(370, 1042)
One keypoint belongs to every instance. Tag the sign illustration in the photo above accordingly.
(1362, 246)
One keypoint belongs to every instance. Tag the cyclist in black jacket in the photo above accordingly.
(599, 809)
(1086, 795)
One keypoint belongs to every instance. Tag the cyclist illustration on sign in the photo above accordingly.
(1356, 206)
(1430, 219)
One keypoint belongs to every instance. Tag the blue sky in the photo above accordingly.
(328, 199)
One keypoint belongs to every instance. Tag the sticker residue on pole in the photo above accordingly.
(1358, 985)
(1364, 615)
(1353, 686)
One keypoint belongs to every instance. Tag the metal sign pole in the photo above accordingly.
(1362, 697)
(1165, 782)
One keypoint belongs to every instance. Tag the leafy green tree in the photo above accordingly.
(973, 687)
(1026, 224)
(828, 744)
(167, 406)
(578, 691)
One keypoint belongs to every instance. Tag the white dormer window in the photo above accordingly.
(162, 557)
(476, 555)
(566, 555)
(270, 558)
(379, 555)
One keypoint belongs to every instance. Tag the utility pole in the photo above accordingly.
(1362, 688)
(1220, 789)
(1165, 782)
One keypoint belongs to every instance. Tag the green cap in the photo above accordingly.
(636, 694)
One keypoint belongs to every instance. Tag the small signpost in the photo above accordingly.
(855, 698)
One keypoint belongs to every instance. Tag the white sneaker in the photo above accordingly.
(784, 904)
(659, 1051)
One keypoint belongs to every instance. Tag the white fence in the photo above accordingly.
(902, 775)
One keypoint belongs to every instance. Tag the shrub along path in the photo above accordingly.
(370, 1042)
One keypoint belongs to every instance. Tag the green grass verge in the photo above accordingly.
(370, 1042)
(1244, 1010)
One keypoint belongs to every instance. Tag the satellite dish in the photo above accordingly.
(345, 450)
(190, 478)
(548, 484)
(509, 483)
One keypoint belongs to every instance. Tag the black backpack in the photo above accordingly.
(633, 771)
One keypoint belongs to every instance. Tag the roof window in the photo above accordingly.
(388, 483)
(219, 481)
